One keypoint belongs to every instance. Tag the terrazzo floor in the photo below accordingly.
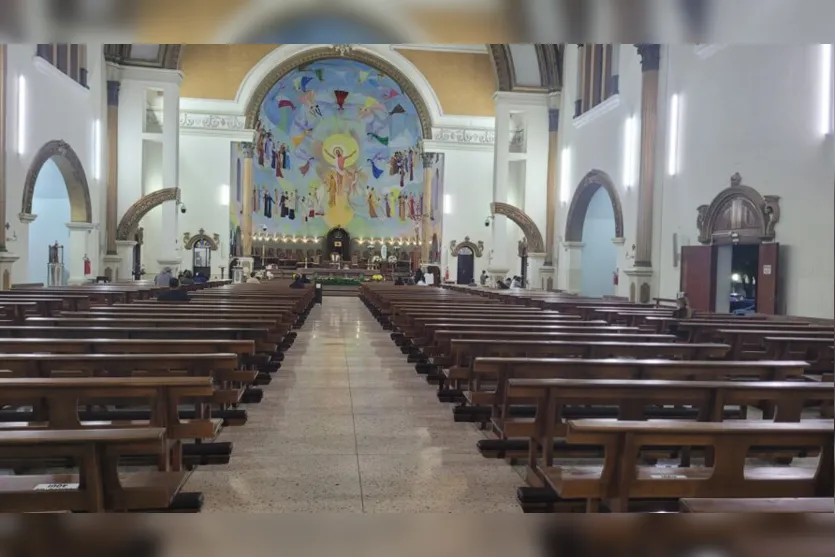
(347, 426)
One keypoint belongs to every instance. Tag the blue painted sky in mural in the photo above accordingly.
(338, 145)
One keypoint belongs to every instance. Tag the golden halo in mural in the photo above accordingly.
(340, 150)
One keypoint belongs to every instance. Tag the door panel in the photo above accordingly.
(698, 276)
(767, 279)
(466, 265)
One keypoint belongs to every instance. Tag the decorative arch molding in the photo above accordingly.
(588, 186)
(71, 169)
(190, 241)
(477, 248)
(284, 59)
(535, 242)
(134, 214)
(738, 214)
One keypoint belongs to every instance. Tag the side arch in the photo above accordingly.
(189, 241)
(360, 53)
(134, 214)
(456, 247)
(739, 212)
(589, 185)
(535, 242)
(72, 171)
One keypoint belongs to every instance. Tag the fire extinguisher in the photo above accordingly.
(87, 266)
(615, 277)
(446, 274)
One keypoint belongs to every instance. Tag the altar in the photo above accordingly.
(326, 272)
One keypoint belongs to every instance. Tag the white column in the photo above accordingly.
(77, 251)
(125, 261)
(169, 238)
(498, 266)
(573, 262)
(535, 271)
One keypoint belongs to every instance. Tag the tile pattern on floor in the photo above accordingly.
(348, 426)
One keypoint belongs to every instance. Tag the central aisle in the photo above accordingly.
(348, 426)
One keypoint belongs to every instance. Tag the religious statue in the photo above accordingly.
(53, 253)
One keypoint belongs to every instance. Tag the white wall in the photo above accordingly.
(52, 205)
(755, 110)
(468, 181)
(747, 109)
(599, 255)
(205, 172)
(56, 108)
(150, 180)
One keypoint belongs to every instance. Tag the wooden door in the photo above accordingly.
(466, 267)
(767, 278)
(698, 276)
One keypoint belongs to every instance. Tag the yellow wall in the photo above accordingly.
(463, 82)
(215, 71)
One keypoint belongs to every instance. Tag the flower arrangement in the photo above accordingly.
(377, 278)
(376, 259)
(392, 259)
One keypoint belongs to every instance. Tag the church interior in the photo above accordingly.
(419, 276)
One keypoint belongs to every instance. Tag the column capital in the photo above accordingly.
(26, 218)
(113, 88)
(650, 54)
(79, 226)
(428, 159)
(249, 149)
(553, 119)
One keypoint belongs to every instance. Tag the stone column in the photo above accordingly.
(640, 276)
(548, 269)
(112, 164)
(6, 259)
(125, 259)
(573, 263)
(77, 251)
(426, 221)
(246, 221)
(498, 266)
(169, 244)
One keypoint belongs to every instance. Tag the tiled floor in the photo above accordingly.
(348, 426)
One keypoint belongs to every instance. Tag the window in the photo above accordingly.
(597, 75)
(70, 59)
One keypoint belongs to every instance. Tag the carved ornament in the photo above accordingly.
(73, 173)
(477, 248)
(140, 208)
(190, 241)
(738, 214)
(534, 237)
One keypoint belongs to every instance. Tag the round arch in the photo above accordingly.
(532, 234)
(130, 221)
(270, 69)
(592, 182)
(262, 16)
(72, 171)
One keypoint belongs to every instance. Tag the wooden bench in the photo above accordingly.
(623, 477)
(56, 402)
(791, 505)
(99, 486)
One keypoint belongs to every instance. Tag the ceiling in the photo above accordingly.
(519, 67)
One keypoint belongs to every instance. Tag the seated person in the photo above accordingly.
(683, 311)
(186, 279)
(298, 282)
(200, 278)
(399, 281)
(304, 279)
(174, 293)
(502, 285)
(253, 278)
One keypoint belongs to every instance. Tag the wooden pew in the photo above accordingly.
(56, 406)
(750, 343)
(791, 505)
(817, 350)
(99, 486)
(623, 477)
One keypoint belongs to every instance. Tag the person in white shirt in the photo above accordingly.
(253, 279)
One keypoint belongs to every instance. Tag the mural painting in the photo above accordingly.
(337, 144)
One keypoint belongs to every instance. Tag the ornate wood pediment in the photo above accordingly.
(201, 240)
(477, 249)
(738, 214)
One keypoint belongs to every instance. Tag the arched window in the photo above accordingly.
(71, 59)
(597, 75)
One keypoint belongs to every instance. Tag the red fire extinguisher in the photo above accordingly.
(87, 266)
(446, 274)
(615, 277)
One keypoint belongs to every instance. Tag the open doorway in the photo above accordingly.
(51, 204)
(736, 278)
(599, 255)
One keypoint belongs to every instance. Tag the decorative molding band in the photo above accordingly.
(214, 122)
(466, 136)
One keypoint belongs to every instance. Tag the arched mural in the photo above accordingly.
(337, 144)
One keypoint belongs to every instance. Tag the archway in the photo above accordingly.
(595, 220)
(532, 234)
(72, 174)
(51, 203)
(130, 220)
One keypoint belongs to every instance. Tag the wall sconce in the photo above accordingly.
(630, 254)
